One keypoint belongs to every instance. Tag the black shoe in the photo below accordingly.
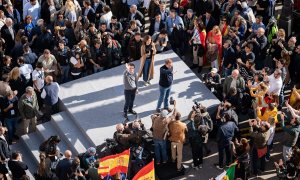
(193, 66)
(125, 115)
(199, 69)
(132, 112)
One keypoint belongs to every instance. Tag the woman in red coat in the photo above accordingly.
(215, 37)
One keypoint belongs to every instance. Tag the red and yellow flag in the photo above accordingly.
(146, 173)
(110, 165)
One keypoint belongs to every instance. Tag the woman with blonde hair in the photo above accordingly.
(17, 81)
(70, 11)
(215, 37)
(259, 93)
(148, 51)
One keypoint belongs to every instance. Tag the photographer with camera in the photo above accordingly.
(212, 80)
(176, 134)
(260, 133)
(225, 108)
(225, 134)
(206, 124)
(121, 136)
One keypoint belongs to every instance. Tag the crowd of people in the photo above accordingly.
(251, 60)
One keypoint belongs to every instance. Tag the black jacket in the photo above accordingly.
(4, 149)
(9, 40)
(151, 28)
(17, 168)
(210, 24)
(91, 16)
(63, 168)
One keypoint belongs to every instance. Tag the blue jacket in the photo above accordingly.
(177, 21)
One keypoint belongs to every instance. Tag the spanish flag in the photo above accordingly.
(110, 165)
(146, 173)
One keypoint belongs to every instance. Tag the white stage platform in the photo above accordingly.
(95, 103)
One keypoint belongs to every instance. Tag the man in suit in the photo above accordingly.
(63, 167)
(8, 34)
(16, 166)
(5, 151)
(156, 25)
(88, 11)
(136, 15)
(28, 107)
(163, 12)
(209, 21)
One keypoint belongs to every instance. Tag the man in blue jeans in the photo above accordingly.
(165, 83)
(160, 129)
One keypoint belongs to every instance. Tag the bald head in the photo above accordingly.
(68, 154)
(235, 73)
(49, 79)
(8, 22)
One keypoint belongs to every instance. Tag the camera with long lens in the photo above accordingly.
(197, 106)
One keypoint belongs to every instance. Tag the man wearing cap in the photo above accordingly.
(89, 158)
(177, 131)
(160, 129)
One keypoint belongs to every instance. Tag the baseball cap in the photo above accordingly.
(214, 70)
(91, 150)
(164, 113)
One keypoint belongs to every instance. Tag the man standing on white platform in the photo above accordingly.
(130, 80)
(165, 83)
(50, 96)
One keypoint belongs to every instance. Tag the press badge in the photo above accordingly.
(12, 112)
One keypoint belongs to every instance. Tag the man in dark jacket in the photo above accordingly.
(134, 48)
(165, 83)
(88, 11)
(63, 167)
(224, 137)
(229, 58)
(259, 48)
(16, 166)
(8, 34)
(156, 25)
(5, 151)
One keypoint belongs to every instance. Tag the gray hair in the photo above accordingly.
(29, 89)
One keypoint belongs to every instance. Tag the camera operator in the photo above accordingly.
(225, 108)
(200, 113)
(177, 131)
(121, 136)
(159, 128)
(89, 158)
(226, 132)
(260, 133)
(212, 80)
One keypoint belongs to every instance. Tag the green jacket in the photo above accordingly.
(27, 108)
(290, 134)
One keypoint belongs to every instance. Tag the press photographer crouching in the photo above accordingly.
(212, 80)
(198, 130)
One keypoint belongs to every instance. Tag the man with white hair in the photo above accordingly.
(33, 9)
(8, 34)
(136, 15)
(259, 47)
(28, 107)
(234, 80)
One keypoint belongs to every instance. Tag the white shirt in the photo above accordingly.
(33, 11)
(275, 85)
(26, 70)
(106, 18)
(272, 133)
(38, 76)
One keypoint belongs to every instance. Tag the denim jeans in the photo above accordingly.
(11, 124)
(129, 99)
(164, 94)
(160, 150)
(227, 149)
(146, 69)
(65, 73)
